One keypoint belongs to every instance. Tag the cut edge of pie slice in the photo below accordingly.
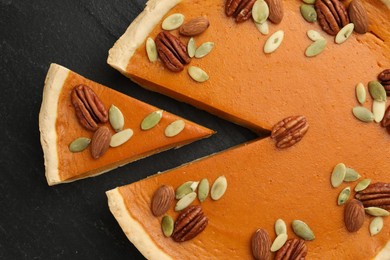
(58, 126)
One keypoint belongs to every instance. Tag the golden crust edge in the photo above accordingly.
(134, 231)
(124, 48)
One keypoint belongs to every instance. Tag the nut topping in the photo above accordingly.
(358, 16)
(239, 9)
(354, 215)
(292, 249)
(162, 200)
(90, 110)
(289, 131)
(384, 78)
(189, 224)
(261, 244)
(332, 15)
(171, 51)
(194, 27)
(386, 119)
(100, 141)
(275, 10)
(375, 195)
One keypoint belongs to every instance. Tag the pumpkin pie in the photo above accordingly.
(258, 90)
(59, 126)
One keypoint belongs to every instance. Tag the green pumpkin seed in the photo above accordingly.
(203, 190)
(173, 22)
(185, 201)
(363, 114)
(280, 227)
(204, 49)
(274, 41)
(260, 11)
(351, 175)
(377, 90)
(174, 128)
(378, 109)
(279, 241)
(361, 93)
(314, 35)
(344, 196)
(377, 212)
(151, 50)
(116, 118)
(344, 33)
(191, 47)
(197, 74)
(309, 1)
(315, 48)
(151, 120)
(362, 185)
(309, 13)
(376, 226)
(185, 189)
(302, 230)
(338, 175)
(79, 144)
(121, 137)
(263, 28)
(167, 225)
(219, 188)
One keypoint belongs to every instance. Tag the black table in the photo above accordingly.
(72, 221)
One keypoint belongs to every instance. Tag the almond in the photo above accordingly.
(354, 215)
(162, 200)
(194, 27)
(100, 142)
(275, 10)
(358, 16)
(261, 244)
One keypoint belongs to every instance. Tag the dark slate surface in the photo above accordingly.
(72, 221)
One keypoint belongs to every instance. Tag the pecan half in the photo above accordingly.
(375, 195)
(292, 249)
(261, 244)
(386, 118)
(189, 224)
(100, 141)
(162, 200)
(289, 131)
(331, 15)
(384, 78)
(241, 10)
(90, 110)
(172, 51)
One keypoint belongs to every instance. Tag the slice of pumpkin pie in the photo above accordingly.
(87, 128)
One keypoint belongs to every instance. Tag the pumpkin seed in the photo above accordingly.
(378, 109)
(173, 22)
(361, 93)
(280, 227)
(151, 120)
(362, 185)
(185, 201)
(377, 90)
(302, 230)
(260, 11)
(174, 128)
(151, 50)
(377, 212)
(218, 188)
(315, 48)
(121, 137)
(204, 49)
(197, 74)
(376, 226)
(263, 28)
(363, 114)
(79, 144)
(167, 225)
(309, 13)
(274, 41)
(344, 196)
(314, 35)
(279, 241)
(338, 175)
(191, 47)
(351, 175)
(116, 118)
(344, 33)
(309, 1)
(185, 188)
(203, 190)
